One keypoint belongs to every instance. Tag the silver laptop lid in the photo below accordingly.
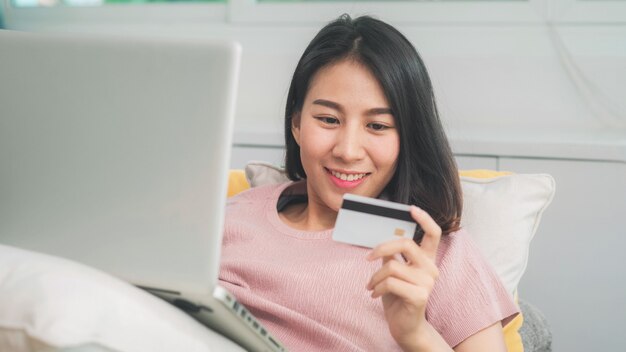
(114, 152)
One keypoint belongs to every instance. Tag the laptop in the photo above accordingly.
(114, 152)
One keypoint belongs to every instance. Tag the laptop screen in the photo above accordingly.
(114, 152)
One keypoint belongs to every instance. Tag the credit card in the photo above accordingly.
(367, 222)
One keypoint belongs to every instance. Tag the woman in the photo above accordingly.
(361, 118)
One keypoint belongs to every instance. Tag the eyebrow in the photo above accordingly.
(338, 107)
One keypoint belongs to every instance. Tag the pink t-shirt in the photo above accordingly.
(310, 291)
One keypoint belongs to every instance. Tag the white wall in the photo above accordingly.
(529, 75)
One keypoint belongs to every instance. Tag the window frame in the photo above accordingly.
(427, 12)
(253, 12)
(112, 14)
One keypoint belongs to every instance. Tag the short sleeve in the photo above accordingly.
(468, 295)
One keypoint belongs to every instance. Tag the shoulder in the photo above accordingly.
(461, 261)
(249, 211)
(468, 295)
(454, 247)
(258, 194)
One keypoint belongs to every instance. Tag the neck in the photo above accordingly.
(310, 216)
(319, 216)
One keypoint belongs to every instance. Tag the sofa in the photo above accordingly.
(103, 313)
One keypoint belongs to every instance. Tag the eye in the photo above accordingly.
(328, 120)
(378, 126)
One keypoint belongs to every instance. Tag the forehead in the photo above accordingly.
(347, 82)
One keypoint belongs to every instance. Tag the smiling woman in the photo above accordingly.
(361, 118)
(373, 72)
(347, 137)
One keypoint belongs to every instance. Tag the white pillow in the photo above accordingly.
(48, 302)
(501, 214)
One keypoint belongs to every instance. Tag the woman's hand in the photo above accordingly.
(406, 286)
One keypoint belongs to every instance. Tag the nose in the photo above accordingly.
(349, 146)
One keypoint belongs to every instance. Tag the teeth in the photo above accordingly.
(348, 177)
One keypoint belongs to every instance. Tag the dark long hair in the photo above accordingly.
(426, 174)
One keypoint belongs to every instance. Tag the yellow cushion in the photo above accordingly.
(483, 173)
(512, 338)
(237, 183)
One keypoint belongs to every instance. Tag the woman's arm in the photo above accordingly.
(488, 339)
(405, 289)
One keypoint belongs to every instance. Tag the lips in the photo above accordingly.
(346, 179)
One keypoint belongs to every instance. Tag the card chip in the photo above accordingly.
(399, 232)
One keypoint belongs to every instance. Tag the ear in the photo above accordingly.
(295, 127)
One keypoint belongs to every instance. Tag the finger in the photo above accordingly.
(402, 272)
(392, 268)
(416, 295)
(414, 255)
(432, 231)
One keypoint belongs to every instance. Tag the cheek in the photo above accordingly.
(385, 158)
(314, 144)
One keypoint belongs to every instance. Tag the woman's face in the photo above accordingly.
(347, 135)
